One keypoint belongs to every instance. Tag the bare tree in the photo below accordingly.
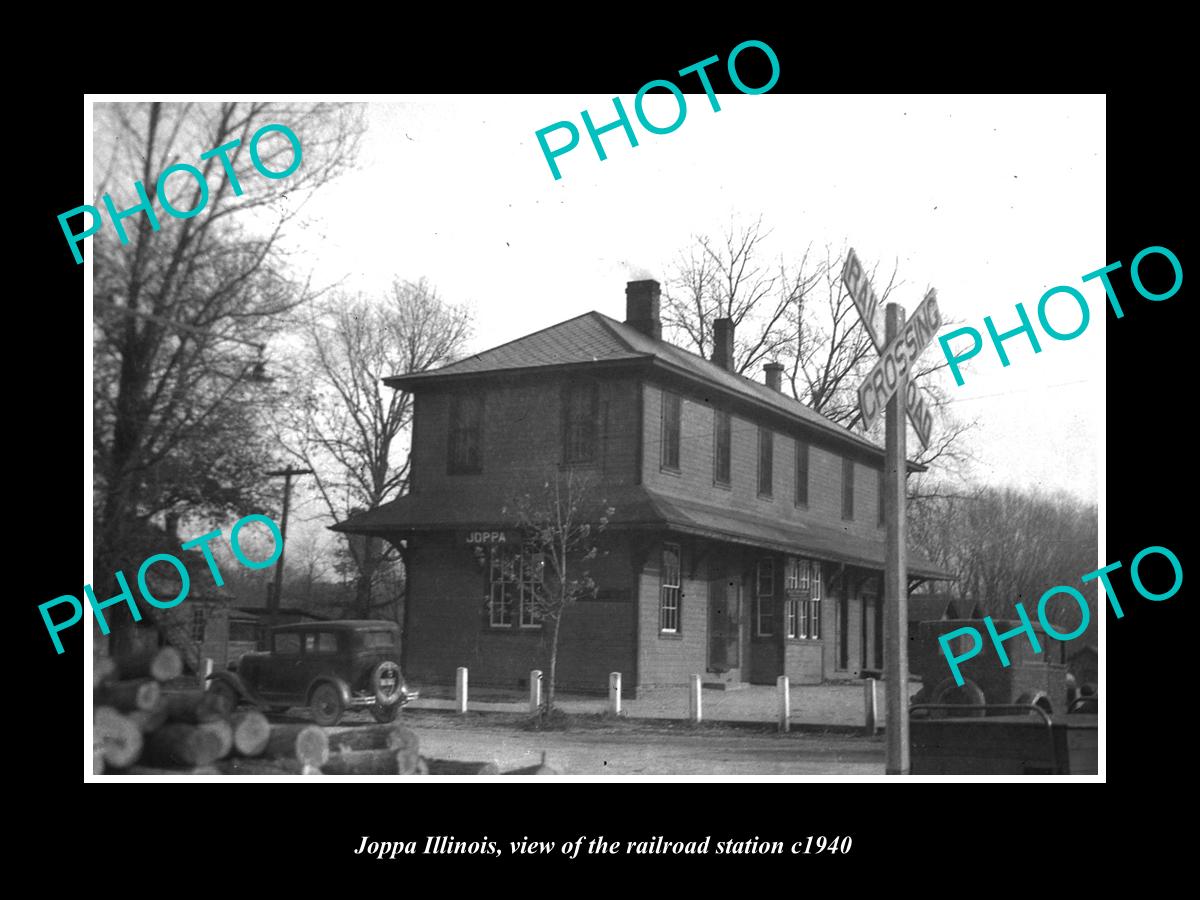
(801, 315)
(559, 522)
(346, 425)
(181, 311)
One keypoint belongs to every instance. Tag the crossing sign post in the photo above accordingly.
(887, 388)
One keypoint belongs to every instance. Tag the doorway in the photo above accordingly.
(724, 614)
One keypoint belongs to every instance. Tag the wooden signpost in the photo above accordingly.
(887, 383)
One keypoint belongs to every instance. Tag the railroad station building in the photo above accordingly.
(746, 539)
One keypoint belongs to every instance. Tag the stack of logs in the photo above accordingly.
(140, 729)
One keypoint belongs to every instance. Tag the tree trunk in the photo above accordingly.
(251, 731)
(454, 767)
(306, 743)
(553, 662)
(373, 737)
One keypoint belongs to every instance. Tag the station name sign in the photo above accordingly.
(481, 538)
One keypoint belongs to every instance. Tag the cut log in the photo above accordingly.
(161, 664)
(262, 767)
(97, 759)
(117, 737)
(251, 731)
(306, 743)
(363, 762)
(540, 769)
(422, 767)
(148, 720)
(224, 734)
(454, 767)
(180, 745)
(391, 736)
(407, 762)
(194, 770)
(194, 707)
(126, 696)
(103, 670)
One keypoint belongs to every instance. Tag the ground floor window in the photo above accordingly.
(764, 598)
(668, 610)
(513, 580)
(802, 616)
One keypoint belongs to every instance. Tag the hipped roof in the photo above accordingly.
(594, 338)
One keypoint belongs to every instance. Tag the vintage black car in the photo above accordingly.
(327, 666)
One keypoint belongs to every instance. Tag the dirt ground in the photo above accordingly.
(595, 745)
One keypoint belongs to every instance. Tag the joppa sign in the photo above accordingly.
(126, 596)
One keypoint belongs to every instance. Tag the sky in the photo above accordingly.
(992, 200)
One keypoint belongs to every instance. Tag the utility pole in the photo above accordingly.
(273, 599)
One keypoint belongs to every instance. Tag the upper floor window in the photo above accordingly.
(722, 442)
(801, 472)
(669, 592)
(465, 447)
(847, 488)
(766, 461)
(580, 412)
(672, 411)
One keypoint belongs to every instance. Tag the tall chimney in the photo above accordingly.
(774, 375)
(723, 343)
(641, 307)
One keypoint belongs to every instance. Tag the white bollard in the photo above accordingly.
(872, 708)
(206, 670)
(535, 692)
(694, 712)
(614, 693)
(460, 690)
(783, 690)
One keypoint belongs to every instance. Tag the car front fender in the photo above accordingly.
(231, 679)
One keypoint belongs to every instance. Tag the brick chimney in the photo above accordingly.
(723, 343)
(641, 307)
(774, 375)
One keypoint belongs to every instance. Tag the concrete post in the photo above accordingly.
(871, 703)
(694, 713)
(614, 693)
(783, 690)
(535, 692)
(460, 690)
(206, 669)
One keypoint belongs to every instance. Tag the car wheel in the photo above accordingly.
(387, 683)
(326, 704)
(968, 694)
(385, 713)
(226, 694)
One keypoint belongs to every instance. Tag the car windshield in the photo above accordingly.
(372, 639)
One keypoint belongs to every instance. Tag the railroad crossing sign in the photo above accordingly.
(894, 362)
(864, 297)
(888, 387)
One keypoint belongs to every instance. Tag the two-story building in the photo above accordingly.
(746, 542)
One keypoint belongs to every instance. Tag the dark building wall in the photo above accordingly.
(448, 623)
(694, 480)
(522, 435)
